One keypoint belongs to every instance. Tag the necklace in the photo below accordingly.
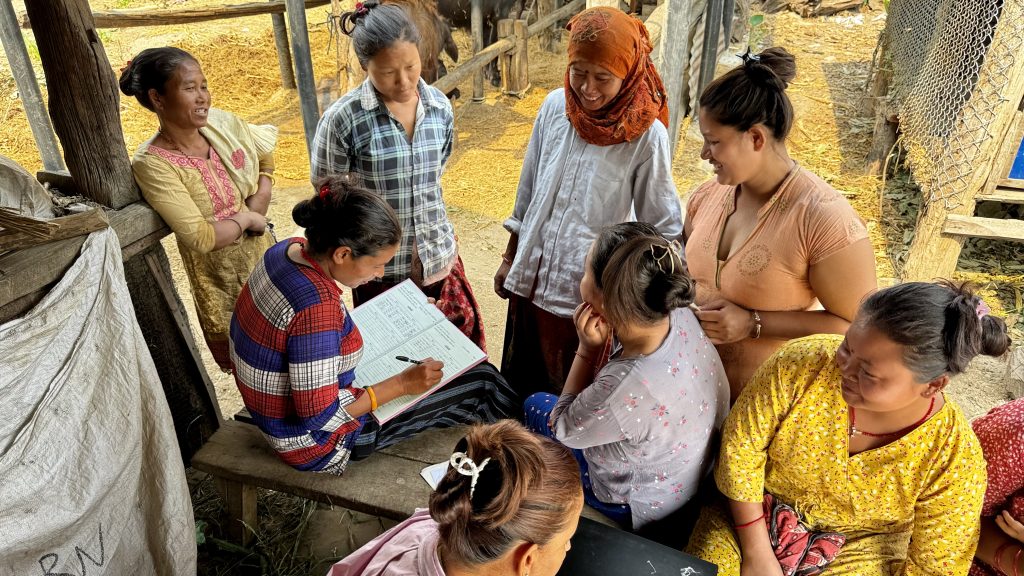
(175, 146)
(855, 432)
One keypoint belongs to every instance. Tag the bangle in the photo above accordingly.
(757, 324)
(373, 397)
(269, 175)
(999, 557)
(745, 524)
(506, 259)
(1016, 561)
(241, 229)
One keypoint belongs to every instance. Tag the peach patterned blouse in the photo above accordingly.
(911, 507)
(805, 222)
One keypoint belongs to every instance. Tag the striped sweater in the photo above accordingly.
(294, 349)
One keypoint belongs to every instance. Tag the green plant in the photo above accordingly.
(758, 33)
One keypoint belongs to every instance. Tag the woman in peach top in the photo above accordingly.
(776, 252)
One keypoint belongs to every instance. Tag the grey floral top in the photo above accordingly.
(646, 425)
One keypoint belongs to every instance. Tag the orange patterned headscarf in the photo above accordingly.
(618, 42)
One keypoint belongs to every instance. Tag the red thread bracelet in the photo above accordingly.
(745, 524)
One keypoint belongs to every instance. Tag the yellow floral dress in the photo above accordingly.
(911, 507)
(190, 194)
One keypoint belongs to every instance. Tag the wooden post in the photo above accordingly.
(296, 10)
(675, 56)
(284, 54)
(83, 100)
(476, 25)
(712, 33)
(932, 253)
(514, 64)
(877, 103)
(84, 107)
(28, 88)
(549, 38)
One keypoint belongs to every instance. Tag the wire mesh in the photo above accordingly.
(951, 62)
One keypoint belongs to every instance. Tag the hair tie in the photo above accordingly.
(325, 191)
(127, 65)
(749, 56)
(982, 309)
(658, 259)
(464, 465)
(361, 9)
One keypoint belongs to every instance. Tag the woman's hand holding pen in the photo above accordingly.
(421, 377)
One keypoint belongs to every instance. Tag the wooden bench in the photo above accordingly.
(387, 484)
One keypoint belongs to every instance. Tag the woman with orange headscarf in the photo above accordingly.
(599, 155)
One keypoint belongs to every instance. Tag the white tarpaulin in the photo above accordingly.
(91, 478)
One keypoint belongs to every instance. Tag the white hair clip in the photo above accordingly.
(464, 465)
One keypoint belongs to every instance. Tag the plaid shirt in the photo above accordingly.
(359, 134)
(294, 349)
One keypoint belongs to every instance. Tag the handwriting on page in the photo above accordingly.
(400, 322)
(395, 316)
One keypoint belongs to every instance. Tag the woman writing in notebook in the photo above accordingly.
(295, 348)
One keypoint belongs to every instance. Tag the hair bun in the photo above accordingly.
(774, 66)
(995, 341)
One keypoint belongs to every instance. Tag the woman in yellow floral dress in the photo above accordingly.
(208, 173)
(856, 435)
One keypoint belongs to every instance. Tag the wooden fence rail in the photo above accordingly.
(484, 57)
(150, 17)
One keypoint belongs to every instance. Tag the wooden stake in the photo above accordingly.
(284, 53)
(28, 88)
(303, 69)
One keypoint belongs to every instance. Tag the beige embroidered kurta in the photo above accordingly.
(190, 194)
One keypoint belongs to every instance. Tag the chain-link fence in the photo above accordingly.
(950, 62)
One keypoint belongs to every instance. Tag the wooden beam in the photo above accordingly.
(675, 50)
(25, 271)
(83, 100)
(448, 83)
(53, 229)
(303, 70)
(284, 53)
(709, 51)
(1012, 182)
(1004, 195)
(550, 37)
(162, 17)
(28, 88)
(476, 27)
(977, 227)
(514, 64)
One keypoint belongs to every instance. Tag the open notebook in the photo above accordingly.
(400, 322)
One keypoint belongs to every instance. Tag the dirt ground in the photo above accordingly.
(831, 137)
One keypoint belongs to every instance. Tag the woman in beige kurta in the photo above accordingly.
(208, 174)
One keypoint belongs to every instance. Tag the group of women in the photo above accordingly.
(629, 334)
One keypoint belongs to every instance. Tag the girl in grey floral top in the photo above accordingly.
(642, 425)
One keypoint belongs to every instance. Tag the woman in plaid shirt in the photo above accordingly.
(395, 132)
